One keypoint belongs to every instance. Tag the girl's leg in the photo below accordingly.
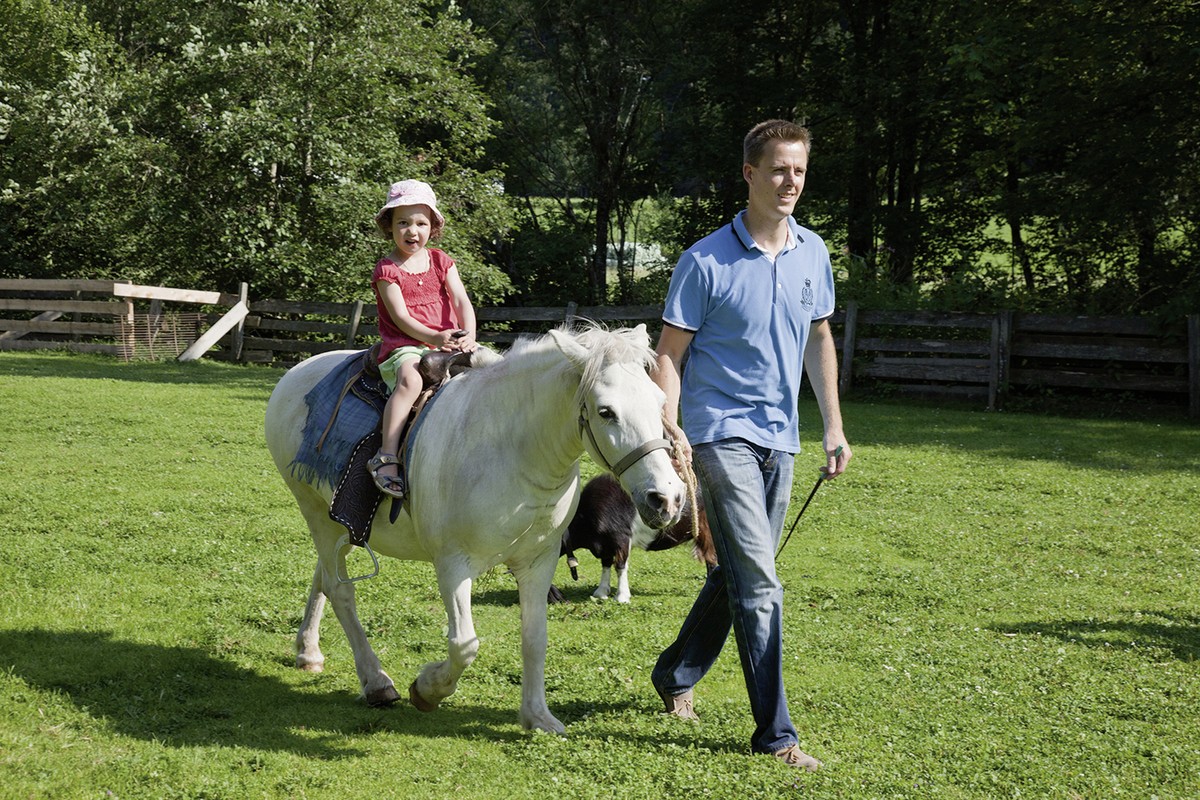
(395, 413)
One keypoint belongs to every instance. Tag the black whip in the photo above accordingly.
(811, 495)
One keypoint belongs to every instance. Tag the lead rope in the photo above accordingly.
(685, 470)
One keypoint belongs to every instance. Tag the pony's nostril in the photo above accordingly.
(665, 505)
(654, 500)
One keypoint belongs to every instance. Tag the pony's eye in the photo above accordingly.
(606, 412)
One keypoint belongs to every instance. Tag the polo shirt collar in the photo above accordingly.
(739, 230)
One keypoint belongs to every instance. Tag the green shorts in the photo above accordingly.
(391, 365)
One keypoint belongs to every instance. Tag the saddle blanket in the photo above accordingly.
(341, 433)
(326, 444)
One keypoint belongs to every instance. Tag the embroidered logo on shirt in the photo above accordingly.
(806, 295)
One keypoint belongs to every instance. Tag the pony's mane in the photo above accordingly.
(620, 346)
(623, 345)
(604, 346)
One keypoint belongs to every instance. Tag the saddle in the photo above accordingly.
(356, 498)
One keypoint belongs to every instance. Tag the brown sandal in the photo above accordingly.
(391, 485)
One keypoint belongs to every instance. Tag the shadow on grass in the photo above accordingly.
(184, 696)
(611, 720)
(571, 593)
(58, 364)
(1121, 445)
(1178, 634)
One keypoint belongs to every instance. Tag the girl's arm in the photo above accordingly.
(464, 312)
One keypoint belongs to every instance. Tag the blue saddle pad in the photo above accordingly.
(322, 460)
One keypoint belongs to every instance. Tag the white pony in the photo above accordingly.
(494, 479)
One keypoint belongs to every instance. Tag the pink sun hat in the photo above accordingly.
(412, 193)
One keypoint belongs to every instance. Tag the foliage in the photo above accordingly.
(1056, 139)
(244, 141)
(547, 258)
(984, 606)
(577, 87)
(1038, 155)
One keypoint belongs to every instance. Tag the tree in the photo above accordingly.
(577, 86)
(254, 140)
(1087, 142)
(60, 83)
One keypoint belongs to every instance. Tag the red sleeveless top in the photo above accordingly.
(425, 296)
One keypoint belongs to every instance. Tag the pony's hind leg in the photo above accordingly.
(622, 568)
(604, 588)
(308, 640)
(377, 687)
(438, 679)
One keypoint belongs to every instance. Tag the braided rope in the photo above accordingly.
(675, 434)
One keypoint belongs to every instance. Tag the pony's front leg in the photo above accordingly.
(438, 679)
(623, 594)
(605, 586)
(308, 639)
(533, 583)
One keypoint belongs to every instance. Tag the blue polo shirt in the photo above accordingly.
(750, 316)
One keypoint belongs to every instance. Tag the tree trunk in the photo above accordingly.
(862, 200)
(1012, 213)
(598, 283)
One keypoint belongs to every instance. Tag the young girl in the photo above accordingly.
(422, 306)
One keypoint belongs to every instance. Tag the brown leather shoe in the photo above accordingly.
(679, 705)
(793, 756)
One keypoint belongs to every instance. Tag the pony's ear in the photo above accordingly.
(642, 334)
(576, 353)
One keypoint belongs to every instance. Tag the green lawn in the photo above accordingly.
(986, 606)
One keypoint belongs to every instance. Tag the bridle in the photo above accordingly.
(626, 461)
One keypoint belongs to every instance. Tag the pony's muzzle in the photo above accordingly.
(661, 509)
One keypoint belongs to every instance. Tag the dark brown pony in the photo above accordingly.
(607, 525)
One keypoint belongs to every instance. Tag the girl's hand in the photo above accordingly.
(457, 340)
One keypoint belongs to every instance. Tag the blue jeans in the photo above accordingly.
(746, 491)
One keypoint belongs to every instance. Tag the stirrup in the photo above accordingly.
(340, 554)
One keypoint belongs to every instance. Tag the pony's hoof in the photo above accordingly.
(546, 723)
(382, 697)
(420, 703)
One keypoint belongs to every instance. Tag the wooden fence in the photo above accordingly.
(980, 356)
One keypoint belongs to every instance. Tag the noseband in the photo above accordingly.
(630, 458)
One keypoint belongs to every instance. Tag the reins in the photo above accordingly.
(685, 470)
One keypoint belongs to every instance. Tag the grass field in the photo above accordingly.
(985, 606)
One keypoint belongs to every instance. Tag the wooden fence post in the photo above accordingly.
(239, 330)
(1193, 328)
(849, 332)
(129, 335)
(210, 337)
(1002, 328)
(352, 327)
(77, 317)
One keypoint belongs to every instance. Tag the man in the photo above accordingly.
(749, 306)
